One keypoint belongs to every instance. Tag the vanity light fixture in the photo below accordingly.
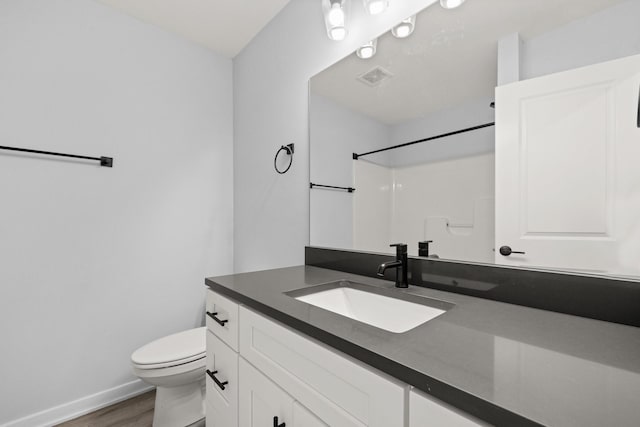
(404, 28)
(451, 4)
(335, 18)
(367, 50)
(375, 7)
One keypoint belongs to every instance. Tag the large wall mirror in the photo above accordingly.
(528, 113)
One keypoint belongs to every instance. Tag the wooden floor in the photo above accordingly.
(135, 412)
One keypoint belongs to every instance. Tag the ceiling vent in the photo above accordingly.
(375, 76)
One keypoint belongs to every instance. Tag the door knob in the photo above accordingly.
(506, 251)
(275, 423)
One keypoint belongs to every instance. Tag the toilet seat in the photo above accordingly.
(176, 366)
(173, 350)
(145, 372)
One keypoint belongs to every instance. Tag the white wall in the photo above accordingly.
(372, 207)
(609, 34)
(337, 132)
(271, 109)
(446, 181)
(95, 262)
(450, 202)
(473, 113)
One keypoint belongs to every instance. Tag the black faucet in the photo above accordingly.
(400, 264)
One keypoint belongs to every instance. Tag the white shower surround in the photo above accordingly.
(450, 202)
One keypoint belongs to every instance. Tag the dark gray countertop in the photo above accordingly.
(506, 364)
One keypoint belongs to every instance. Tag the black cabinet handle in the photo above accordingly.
(217, 381)
(219, 321)
(638, 108)
(506, 251)
(275, 423)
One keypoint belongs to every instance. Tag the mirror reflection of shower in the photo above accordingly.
(439, 80)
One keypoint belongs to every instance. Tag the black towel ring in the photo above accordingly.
(289, 150)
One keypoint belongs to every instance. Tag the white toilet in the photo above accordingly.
(176, 365)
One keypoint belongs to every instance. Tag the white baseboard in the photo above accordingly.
(82, 406)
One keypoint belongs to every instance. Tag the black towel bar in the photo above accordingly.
(104, 161)
(349, 189)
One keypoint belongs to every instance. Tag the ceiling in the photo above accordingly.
(450, 59)
(224, 26)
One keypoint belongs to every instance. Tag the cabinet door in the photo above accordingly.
(567, 147)
(261, 400)
(425, 411)
(303, 418)
(338, 390)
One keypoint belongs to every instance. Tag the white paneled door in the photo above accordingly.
(568, 169)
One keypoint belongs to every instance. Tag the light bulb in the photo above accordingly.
(336, 15)
(451, 4)
(402, 31)
(375, 7)
(404, 28)
(337, 33)
(367, 51)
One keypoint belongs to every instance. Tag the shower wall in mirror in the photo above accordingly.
(440, 80)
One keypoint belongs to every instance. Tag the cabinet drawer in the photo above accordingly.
(222, 318)
(339, 391)
(427, 411)
(222, 362)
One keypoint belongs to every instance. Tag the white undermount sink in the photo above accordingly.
(366, 304)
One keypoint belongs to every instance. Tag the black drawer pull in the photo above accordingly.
(638, 123)
(219, 321)
(275, 423)
(217, 381)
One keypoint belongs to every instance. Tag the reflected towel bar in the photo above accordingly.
(349, 189)
(104, 161)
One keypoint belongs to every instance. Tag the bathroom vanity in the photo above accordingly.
(259, 369)
(480, 362)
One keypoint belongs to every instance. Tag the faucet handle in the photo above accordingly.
(401, 248)
(423, 248)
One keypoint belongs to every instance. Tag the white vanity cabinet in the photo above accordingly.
(302, 417)
(264, 404)
(277, 372)
(222, 318)
(427, 411)
(222, 396)
(222, 361)
(339, 391)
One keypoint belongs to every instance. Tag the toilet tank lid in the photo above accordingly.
(172, 348)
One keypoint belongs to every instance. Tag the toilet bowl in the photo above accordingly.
(176, 365)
